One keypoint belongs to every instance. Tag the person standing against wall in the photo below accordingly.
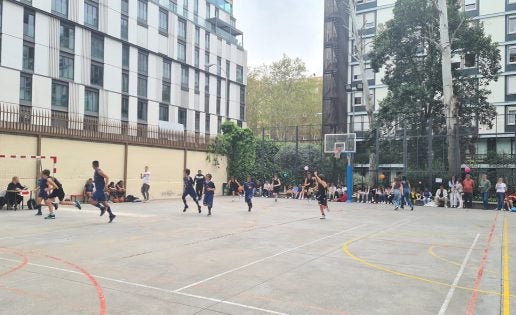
(467, 186)
(501, 189)
(484, 186)
(145, 176)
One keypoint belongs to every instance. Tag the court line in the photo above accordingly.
(480, 273)
(18, 267)
(266, 258)
(506, 283)
(434, 254)
(449, 296)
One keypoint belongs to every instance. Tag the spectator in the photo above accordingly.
(441, 196)
(484, 186)
(427, 196)
(88, 189)
(120, 189)
(460, 192)
(501, 189)
(12, 196)
(295, 192)
(467, 186)
(332, 191)
(454, 194)
(510, 200)
(266, 189)
(146, 179)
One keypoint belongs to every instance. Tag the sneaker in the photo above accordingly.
(50, 217)
(209, 213)
(102, 211)
(396, 208)
(199, 208)
(39, 213)
(56, 205)
(184, 210)
(111, 218)
(411, 208)
(78, 205)
(323, 217)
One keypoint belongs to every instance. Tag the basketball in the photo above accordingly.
(382, 176)
(467, 169)
(306, 168)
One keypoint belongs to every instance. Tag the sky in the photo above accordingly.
(276, 27)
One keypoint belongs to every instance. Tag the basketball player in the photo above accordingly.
(249, 187)
(99, 197)
(60, 194)
(188, 190)
(321, 196)
(44, 183)
(199, 184)
(209, 193)
(276, 185)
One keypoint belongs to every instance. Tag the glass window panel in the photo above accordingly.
(67, 37)
(91, 101)
(28, 23)
(91, 14)
(66, 66)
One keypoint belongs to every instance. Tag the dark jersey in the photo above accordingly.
(321, 192)
(199, 179)
(275, 182)
(58, 183)
(249, 187)
(43, 184)
(188, 183)
(209, 185)
(99, 181)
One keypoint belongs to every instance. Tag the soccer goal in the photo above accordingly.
(25, 167)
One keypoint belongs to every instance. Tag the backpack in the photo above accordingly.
(31, 204)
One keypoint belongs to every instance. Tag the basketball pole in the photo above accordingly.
(349, 179)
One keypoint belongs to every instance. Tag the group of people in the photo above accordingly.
(267, 190)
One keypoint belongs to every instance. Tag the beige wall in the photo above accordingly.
(74, 164)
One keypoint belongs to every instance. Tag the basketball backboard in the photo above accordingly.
(346, 142)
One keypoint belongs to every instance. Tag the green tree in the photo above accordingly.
(281, 93)
(408, 48)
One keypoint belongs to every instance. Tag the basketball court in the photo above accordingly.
(279, 259)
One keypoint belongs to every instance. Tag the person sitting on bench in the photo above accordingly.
(12, 195)
(441, 197)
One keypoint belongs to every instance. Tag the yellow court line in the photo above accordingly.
(362, 261)
(506, 283)
(433, 253)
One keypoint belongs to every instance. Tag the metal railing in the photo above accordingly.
(28, 120)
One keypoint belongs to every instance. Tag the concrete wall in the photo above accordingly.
(74, 164)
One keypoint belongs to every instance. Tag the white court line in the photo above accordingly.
(449, 296)
(266, 258)
(121, 214)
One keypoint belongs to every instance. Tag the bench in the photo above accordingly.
(77, 196)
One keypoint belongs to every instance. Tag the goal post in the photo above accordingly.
(26, 167)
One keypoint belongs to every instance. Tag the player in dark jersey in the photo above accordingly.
(188, 190)
(209, 193)
(308, 184)
(44, 184)
(99, 197)
(276, 186)
(321, 196)
(249, 187)
(60, 194)
(199, 184)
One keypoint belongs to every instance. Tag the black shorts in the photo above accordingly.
(323, 201)
(276, 190)
(57, 193)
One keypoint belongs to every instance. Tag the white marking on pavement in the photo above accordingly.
(267, 258)
(449, 296)
(121, 214)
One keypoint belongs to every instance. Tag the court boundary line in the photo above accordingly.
(451, 291)
(506, 283)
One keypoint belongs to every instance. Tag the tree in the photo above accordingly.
(280, 93)
(409, 49)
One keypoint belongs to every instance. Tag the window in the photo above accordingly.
(143, 62)
(207, 61)
(97, 47)
(197, 121)
(142, 110)
(366, 20)
(240, 74)
(181, 117)
(511, 54)
(242, 95)
(357, 74)
(125, 7)
(142, 12)
(185, 78)
(185, 7)
(196, 7)
(163, 112)
(511, 116)
(181, 51)
(97, 74)
(357, 99)
(124, 27)
(66, 66)
(25, 88)
(196, 57)
(470, 61)
(219, 66)
(207, 123)
(219, 124)
(208, 9)
(28, 56)
(125, 81)
(60, 7)
(216, 12)
(242, 112)
(167, 70)
(470, 5)
(228, 69)
(142, 86)
(28, 23)
(511, 84)
(364, 1)
(125, 56)
(91, 13)
(181, 30)
(207, 83)
(197, 36)
(197, 81)
(59, 94)
(207, 40)
(91, 101)
(163, 21)
(125, 107)
(67, 37)
(219, 87)
(165, 93)
(511, 24)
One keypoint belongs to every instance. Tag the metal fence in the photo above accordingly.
(28, 120)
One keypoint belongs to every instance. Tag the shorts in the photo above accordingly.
(233, 188)
(190, 192)
(99, 196)
(248, 197)
(208, 200)
(43, 195)
(323, 201)
(57, 193)
(276, 190)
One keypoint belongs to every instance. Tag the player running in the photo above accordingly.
(60, 195)
(44, 183)
(199, 184)
(249, 187)
(99, 197)
(209, 193)
(188, 190)
(276, 186)
(321, 196)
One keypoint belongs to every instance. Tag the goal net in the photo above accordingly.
(26, 167)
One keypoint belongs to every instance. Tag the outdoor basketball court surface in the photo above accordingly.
(279, 259)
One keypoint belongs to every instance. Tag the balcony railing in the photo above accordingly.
(39, 121)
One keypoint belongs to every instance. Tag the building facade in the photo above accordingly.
(499, 19)
(172, 64)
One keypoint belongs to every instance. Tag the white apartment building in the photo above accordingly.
(499, 19)
(176, 64)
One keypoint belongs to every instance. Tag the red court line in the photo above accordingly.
(480, 274)
(20, 266)
(92, 279)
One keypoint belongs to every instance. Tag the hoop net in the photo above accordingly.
(25, 167)
(337, 152)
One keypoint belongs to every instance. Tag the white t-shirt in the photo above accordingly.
(146, 178)
(501, 187)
